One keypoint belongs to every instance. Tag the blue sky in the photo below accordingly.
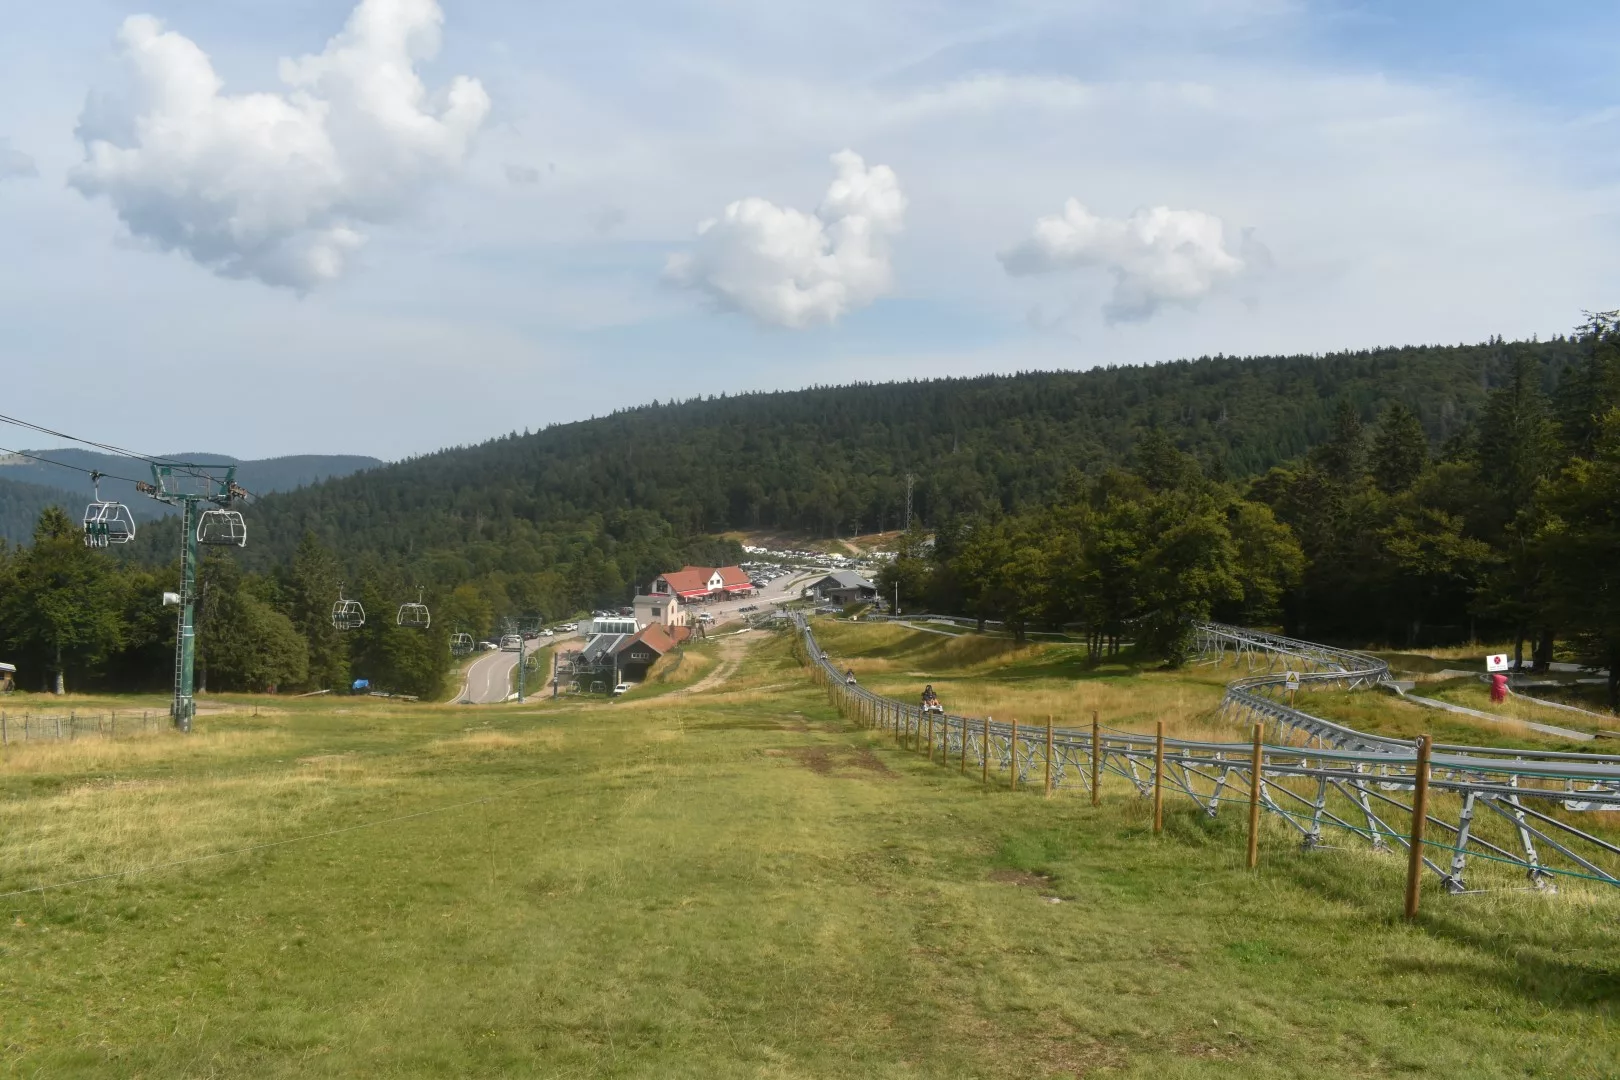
(1332, 175)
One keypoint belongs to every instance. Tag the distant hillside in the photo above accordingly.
(834, 460)
(262, 476)
(20, 506)
(577, 514)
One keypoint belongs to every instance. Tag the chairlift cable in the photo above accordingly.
(65, 465)
(190, 468)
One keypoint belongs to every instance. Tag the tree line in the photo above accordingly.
(1509, 529)
(1399, 494)
(77, 617)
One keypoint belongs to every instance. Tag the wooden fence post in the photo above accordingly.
(930, 735)
(1158, 781)
(1014, 744)
(986, 755)
(1048, 787)
(1420, 817)
(1096, 760)
(1256, 767)
(963, 769)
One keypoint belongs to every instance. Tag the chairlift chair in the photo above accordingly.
(106, 521)
(416, 615)
(347, 614)
(461, 643)
(222, 528)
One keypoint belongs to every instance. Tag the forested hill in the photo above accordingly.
(575, 516)
(63, 468)
(834, 460)
(21, 505)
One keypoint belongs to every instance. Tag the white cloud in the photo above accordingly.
(275, 186)
(788, 268)
(14, 164)
(1157, 255)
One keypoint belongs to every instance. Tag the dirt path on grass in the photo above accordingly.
(731, 652)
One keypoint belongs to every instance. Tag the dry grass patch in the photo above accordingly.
(48, 756)
(490, 741)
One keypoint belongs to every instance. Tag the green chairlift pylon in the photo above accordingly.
(219, 494)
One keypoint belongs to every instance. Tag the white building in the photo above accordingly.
(663, 609)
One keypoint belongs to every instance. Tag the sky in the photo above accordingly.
(264, 227)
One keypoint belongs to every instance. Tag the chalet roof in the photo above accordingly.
(653, 637)
(732, 577)
(688, 581)
(694, 580)
(601, 645)
(844, 579)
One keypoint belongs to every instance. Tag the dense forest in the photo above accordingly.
(1510, 528)
(22, 503)
(1270, 456)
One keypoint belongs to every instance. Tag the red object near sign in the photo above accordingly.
(1499, 688)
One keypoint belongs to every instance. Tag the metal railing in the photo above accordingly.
(1491, 814)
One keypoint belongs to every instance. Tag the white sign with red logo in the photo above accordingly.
(1497, 662)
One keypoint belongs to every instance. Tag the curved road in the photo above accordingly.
(489, 678)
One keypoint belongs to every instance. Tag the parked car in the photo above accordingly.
(511, 643)
(549, 632)
(705, 616)
(487, 646)
(620, 689)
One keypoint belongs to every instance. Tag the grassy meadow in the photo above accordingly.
(732, 881)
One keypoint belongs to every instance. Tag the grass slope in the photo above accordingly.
(732, 883)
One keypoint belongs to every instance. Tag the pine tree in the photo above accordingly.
(1343, 456)
(65, 604)
(310, 590)
(1592, 387)
(1400, 450)
(1518, 441)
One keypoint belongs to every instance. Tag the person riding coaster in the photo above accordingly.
(930, 700)
(849, 676)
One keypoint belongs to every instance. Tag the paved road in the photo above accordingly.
(489, 678)
(785, 587)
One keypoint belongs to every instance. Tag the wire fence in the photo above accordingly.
(1473, 817)
(30, 726)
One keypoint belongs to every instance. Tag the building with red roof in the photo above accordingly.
(703, 583)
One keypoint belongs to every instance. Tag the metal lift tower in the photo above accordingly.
(219, 524)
